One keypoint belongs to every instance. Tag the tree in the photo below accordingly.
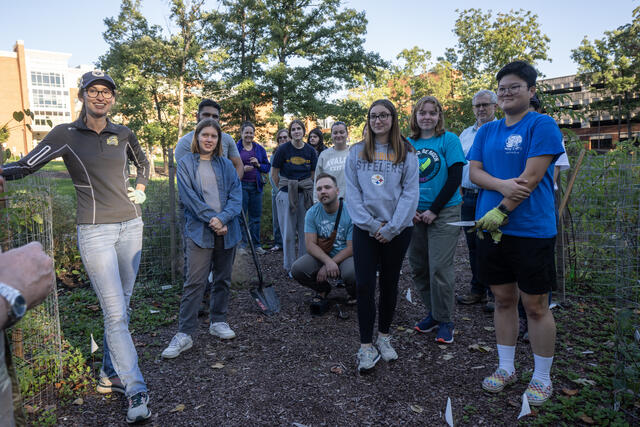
(612, 65)
(485, 44)
(314, 49)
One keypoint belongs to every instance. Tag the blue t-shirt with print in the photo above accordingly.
(318, 221)
(295, 163)
(435, 156)
(504, 151)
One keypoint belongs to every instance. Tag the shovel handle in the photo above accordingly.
(253, 251)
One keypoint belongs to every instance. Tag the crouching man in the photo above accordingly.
(327, 236)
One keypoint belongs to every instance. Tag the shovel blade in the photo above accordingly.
(266, 299)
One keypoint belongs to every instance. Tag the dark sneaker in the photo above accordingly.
(319, 307)
(367, 358)
(110, 385)
(470, 298)
(138, 410)
(427, 324)
(445, 333)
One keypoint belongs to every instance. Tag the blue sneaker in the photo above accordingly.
(445, 333)
(427, 324)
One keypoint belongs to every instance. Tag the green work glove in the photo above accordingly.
(136, 196)
(491, 222)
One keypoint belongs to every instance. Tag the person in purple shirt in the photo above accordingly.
(255, 161)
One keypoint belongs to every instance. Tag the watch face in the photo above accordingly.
(19, 306)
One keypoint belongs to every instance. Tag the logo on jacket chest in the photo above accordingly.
(112, 140)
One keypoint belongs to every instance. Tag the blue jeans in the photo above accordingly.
(252, 206)
(277, 234)
(111, 256)
(468, 213)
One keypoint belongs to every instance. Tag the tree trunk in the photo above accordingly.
(152, 165)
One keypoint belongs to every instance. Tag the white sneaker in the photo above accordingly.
(386, 350)
(221, 330)
(260, 250)
(367, 358)
(179, 343)
(138, 408)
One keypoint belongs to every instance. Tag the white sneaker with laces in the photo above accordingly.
(179, 343)
(386, 350)
(367, 358)
(221, 330)
(138, 408)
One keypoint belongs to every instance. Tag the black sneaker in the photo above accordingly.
(138, 410)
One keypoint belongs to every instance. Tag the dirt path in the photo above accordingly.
(279, 370)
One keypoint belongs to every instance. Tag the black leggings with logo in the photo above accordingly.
(367, 254)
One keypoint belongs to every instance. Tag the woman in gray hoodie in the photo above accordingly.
(382, 189)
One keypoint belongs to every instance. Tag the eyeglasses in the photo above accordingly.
(381, 116)
(92, 92)
(483, 105)
(511, 90)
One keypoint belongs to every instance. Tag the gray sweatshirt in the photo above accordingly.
(381, 191)
(332, 161)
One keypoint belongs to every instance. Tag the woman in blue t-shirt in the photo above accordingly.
(292, 173)
(433, 242)
(255, 161)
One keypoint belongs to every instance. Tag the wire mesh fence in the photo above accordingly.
(601, 243)
(36, 342)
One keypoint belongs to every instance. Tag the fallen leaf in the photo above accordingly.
(489, 328)
(78, 401)
(401, 328)
(409, 331)
(417, 409)
(418, 356)
(29, 409)
(217, 365)
(584, 381)
(480, 348)
(93, 307)
(337, 370)
(442, 347)
(199, 406)
(179, 408)
(448, 356)
(569, 392)
(587, 419)
(477, 367)
(486, 348)
(154, 311)
(587, 352)
(466, 318)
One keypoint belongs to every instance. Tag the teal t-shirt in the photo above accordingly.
(320, 222)
(435, 156)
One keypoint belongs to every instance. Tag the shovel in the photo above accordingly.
(264, 296)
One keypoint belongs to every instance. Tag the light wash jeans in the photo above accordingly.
(111, 256)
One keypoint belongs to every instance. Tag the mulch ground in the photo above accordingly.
(295, 369)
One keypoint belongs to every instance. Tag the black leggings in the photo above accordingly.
(367, 254)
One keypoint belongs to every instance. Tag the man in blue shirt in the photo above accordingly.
(316, 267)
(512, 161)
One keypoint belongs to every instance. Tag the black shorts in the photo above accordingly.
(530, 262)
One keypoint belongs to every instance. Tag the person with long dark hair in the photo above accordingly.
(433, 243)
(255, 161)
(316, 140)
(211, 193)
(292, 172)
(382, 190)
(96, 151)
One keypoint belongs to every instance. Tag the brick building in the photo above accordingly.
(39, 81)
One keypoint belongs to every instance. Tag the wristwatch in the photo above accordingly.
(17, 303)
(502, 208)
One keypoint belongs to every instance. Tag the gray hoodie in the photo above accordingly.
(381, 191)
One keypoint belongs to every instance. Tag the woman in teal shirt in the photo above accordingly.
(433, 242)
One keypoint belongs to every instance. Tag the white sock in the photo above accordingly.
(542, 369)
(506, 355)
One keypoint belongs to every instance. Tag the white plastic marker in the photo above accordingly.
(409, 296)
(94, 346)
(448, 414)
(526, 409)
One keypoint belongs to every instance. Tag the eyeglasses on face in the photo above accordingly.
(511, 90)
(92, 92)
(381, 116)
(483, 105)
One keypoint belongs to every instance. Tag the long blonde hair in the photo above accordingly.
(396, 140)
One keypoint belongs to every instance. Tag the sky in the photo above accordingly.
(76, 27)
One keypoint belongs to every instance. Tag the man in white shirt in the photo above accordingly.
(484, 109)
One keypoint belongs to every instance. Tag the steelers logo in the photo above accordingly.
(377, 179)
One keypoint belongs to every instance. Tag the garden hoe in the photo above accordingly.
(265, 296)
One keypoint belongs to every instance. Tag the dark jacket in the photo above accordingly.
(261, 155)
